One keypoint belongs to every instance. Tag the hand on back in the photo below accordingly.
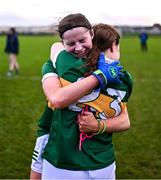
(108, 73)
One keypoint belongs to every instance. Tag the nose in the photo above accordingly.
(78, 47)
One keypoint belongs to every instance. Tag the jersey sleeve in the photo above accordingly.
(48, 70)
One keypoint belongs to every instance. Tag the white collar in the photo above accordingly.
(109, 61)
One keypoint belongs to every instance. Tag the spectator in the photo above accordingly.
(143, 41)
(12, 49)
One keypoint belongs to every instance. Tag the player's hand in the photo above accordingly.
(108, 73)
(87, 122)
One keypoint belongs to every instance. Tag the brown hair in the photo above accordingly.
(104, 36)
(72, 21)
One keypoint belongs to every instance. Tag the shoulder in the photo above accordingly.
(48, 68)
(56, 48)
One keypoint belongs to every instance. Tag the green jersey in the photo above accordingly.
(62, 148)
(44, 123)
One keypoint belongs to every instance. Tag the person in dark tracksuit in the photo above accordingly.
(143, 41)
(12, 49)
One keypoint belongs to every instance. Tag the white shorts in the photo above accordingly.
(51, 172)
(37, 161)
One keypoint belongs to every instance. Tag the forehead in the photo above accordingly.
(75, 34)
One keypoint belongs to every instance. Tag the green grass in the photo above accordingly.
(138, 150)
(21, 104)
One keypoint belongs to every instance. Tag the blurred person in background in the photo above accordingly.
(143, 41)
(12, 49)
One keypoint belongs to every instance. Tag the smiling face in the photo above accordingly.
(78, 41)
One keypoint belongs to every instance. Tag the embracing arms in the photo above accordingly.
(89, 124)
(61, 97)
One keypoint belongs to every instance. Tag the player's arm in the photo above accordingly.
(119, 123)
(89, 124)
(61, 97)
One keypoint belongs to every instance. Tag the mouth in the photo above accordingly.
(82, 54)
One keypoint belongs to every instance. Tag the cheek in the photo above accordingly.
(90, 44)
(69, 49)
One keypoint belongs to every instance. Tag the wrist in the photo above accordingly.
(102, 127)
(98, 128)
(100, 77)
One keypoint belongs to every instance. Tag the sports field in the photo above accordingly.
(138, 151)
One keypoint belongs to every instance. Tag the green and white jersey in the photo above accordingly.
(44, 123)
(62, 148)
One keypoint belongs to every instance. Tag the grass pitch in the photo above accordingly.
(138, 150)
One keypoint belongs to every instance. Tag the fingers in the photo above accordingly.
(116, 63)
(121, 74)
(81, 126)
(87, 113)
(118, 81)
(119, 68)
